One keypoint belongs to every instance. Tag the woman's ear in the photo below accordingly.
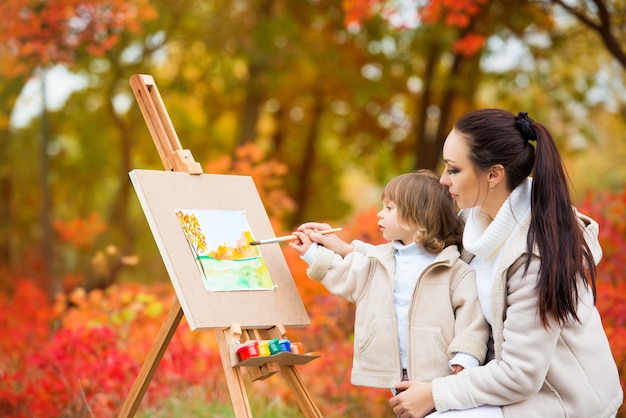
(496, 175)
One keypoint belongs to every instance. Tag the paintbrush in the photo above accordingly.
(290, 237)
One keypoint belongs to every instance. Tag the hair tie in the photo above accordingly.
(524, 124)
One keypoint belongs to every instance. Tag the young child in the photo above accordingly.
(417, 312)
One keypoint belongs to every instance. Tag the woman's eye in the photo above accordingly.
(452, 171)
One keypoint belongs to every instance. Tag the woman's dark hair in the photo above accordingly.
(426, 207)
(496, 136)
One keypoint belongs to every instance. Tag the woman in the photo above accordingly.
(534, 257)
(535, 265)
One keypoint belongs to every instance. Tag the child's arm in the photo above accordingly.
(471, 328)
(345, 277)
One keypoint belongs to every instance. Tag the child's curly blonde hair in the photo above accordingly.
(426, 207)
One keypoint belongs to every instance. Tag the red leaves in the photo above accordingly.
(78, 371)
(79, 232)
(455, 13)
(469, 45)
(79, 355)
(607, 208)
(42, 32)
(452, 13)
(357, 11)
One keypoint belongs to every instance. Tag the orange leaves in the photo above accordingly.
(357, 11)
(78, 232)
(452, 13)
(455, 13)
(469, 45)
(193, 232)
(43, 32)
(268, 177)
(240, 251)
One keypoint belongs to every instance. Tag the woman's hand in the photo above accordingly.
(415, 400)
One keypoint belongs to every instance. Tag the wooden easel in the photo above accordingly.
(175, 158)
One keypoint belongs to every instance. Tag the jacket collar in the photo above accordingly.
(447, 256)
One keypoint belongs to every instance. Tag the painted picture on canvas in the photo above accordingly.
(220, 242)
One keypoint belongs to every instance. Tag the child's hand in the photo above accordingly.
(313, 226)
(457, 368)
(302, 244)
(330, 241)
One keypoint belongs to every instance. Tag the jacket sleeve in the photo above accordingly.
(346, 277)
(361, 247)
(471, 328)
(520, 369)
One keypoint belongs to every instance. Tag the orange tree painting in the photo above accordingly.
(231, 263)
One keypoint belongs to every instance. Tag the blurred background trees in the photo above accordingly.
(321, 100)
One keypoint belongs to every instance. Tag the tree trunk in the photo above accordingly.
(9, 92)
(426, 155)
(303, 191)
(118, 217)
(45, 214)
(254, 97)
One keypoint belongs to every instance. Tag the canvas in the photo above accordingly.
(220, 242)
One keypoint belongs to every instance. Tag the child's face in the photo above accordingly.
(389, 225)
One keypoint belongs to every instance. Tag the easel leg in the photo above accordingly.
(304, 400)
(152, 361)
(234, 379)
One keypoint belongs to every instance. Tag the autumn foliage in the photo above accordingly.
(79, 354)
(458, 14)
(608, 209)
(39, 33)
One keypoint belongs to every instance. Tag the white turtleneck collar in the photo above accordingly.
(409, 249)
(484, 238)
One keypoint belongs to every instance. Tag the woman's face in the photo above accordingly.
(467, 185)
